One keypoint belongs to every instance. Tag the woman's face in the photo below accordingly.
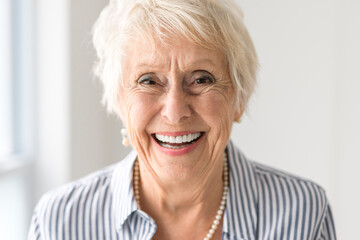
(178, 104)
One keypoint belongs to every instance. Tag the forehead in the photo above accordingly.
(146, 52)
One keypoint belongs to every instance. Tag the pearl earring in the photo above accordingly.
(238, 120)
(125, 140)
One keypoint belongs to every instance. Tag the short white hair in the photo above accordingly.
(209, 23)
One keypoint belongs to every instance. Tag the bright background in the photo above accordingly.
(304, 117)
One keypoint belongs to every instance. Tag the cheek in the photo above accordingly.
(138, 113)
(218, 112)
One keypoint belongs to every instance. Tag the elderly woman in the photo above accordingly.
(178, 73)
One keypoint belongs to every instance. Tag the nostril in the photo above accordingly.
(176, 107)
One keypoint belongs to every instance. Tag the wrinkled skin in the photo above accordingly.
(178, 87)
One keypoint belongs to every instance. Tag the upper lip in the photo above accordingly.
(175, 134)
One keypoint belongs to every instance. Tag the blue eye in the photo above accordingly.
(147, 81)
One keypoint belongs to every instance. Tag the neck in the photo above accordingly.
(174, 195)
(187, 205)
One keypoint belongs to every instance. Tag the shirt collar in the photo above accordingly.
(123, 201)
(240, 217)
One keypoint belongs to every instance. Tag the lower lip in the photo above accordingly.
(177, 151)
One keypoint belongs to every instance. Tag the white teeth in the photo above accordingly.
(179, 139)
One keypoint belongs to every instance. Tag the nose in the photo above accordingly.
(176, 107)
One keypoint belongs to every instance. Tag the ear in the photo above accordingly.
(120, 107)
(120, 115)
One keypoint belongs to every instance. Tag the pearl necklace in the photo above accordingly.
(220, 212)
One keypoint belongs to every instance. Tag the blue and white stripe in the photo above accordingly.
(263, 203)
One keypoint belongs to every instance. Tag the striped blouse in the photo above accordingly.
(263, 203)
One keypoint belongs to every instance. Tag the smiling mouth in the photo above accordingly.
(177, 142)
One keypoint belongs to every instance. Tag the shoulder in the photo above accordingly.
(83, 207)
(72, 193)
(68, 206)
(96, 185)
(296, 205)
(300, 203)
(290, 185)
(278, 183)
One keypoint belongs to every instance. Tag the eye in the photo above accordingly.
(147, 80)
(203, 77)
(204, 80)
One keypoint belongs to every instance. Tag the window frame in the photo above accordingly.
(22, 87)
(17, 168)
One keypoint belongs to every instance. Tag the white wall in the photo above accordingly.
(74, 134)
(52, 95)
(95, 136)
(303, 117)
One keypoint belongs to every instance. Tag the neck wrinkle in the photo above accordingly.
(201, 194)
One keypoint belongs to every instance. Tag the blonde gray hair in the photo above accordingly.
(209, 23)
